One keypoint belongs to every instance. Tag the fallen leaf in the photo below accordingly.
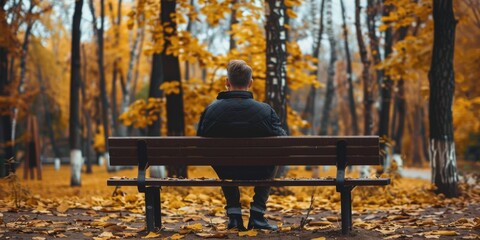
(177, 236)
(38, 238)
(444, 233)
(152, 235)
(249, 233)
(63, 207)
(318, 238)
(194, 227)
(106, 235)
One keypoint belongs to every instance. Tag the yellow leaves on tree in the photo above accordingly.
(142, 113)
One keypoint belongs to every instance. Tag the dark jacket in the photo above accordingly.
(237, 114)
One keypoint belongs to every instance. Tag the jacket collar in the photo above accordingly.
(235, 94)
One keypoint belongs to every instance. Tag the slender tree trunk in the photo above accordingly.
(351, 98)
(386, 89)
(330, 91)
(48, 114)
(367, 96)
(102, 84)
(23, 71)
(309, 111)
(156, 79)
(442, 87)
(372, 14)
(276, 81)
(5, 120)
(86, 113)
(233, 20)
(74, 132)
(171, 73)
(115, 68)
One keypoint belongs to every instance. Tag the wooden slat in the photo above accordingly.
(154, 152)
(247, 161)
(245, 142)
(217, 182)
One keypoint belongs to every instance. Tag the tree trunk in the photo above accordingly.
(233, 20)
(276, 81)
(171, 73)
(386, 90)
(372, 13)
(74, 131)
(5, 121)
(23, 71)
(115, 68)
(400, 105)
(442, 87)
(86, 114)
(309, 111)
(330, 91)
(101, 70)
(351, 99)
(48, 114)
(367, 96)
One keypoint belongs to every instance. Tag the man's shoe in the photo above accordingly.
(258, 221)
(235, 221)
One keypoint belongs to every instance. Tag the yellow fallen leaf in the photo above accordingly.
(250, 233)
(152, 235)
(63, 207)
(38, 238)
(444, 233)
(106, 235)
(194, 227)
(177, 236)
(318, 238)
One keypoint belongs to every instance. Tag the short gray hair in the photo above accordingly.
(239, 73)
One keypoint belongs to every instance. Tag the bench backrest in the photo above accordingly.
(285, 150)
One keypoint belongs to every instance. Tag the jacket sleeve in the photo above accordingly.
(277, 129)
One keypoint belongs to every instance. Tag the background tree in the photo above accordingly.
(367, 97)
(330, 90)
(351, 98)
(171, 75)
(276, 57)
(442, 88)
(74, 132)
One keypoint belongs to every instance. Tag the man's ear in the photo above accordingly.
(250, 83)
(227, 84)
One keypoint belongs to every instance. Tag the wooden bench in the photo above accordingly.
(285, 150)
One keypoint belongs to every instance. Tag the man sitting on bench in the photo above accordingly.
(236, 114)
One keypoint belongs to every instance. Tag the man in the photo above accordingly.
(236, 114)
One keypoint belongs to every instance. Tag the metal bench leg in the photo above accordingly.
(152, 208)
(346, 202)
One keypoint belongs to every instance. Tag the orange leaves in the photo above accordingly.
(172, 87)
(141, 114)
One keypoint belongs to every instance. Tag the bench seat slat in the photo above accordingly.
(247, 161)
(244, 142)
(276, 182)
(244, 151)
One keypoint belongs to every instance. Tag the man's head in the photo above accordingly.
(239, 75)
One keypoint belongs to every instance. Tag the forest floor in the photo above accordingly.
(408, 208)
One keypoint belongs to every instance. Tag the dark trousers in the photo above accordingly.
(232, 194)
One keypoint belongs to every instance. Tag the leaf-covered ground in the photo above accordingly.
(50, 208)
